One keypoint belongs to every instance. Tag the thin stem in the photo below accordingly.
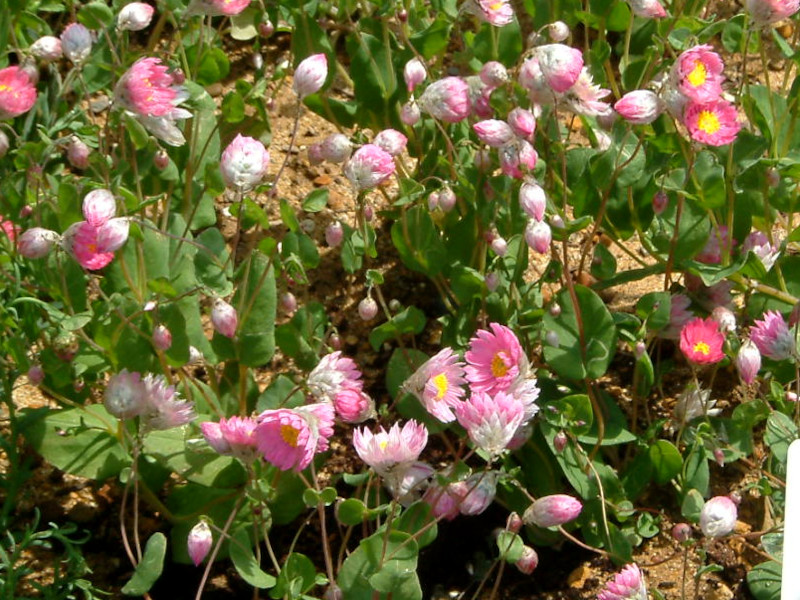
(296, 125)
(217, 546)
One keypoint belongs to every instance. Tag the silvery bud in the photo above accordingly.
(199, 542)
(37, 242)
(162, 338)
(76, 42)
(367, 308)
(224, 318)
(135, 16)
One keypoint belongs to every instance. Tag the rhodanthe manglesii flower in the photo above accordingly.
(772, 336)
(551, 511)
(628, 584)
(694, 403)
(698, 71)
(125, 395)
(748, 361)
(335, 148)
(17, 92)
(162, 337)
(528, 562)
(639, 107)
(224, 318)
(332, 373)
(701, 341)
(47, 47)
(494, 12)
(392, 141)
(718, 516)
(495, 360)
(714, 123)
(148, 89)
(310, 75)
(37, 242)
(758, 243)
(447, 99)
(538, 236)
(532, 199)
(232, 437)
(522, 123)
(518, 158)
(768, 12)
(494, 132)
(135, 16)
(289, 438)
(82, 241)
(475, 493)
(165, 409)
(244, 163)
(491, 422)
(586, 98)
(649, 9)
(493, 74)
(369, 167)
(76, 42)
(198, 543)
(414, 73)
(560, 65)
(391, 451)
(99, 206)
(438, 384)
(407, 486)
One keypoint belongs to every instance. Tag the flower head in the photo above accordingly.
(333, 373)
(560, 65)
(232, 437)
(198, 543)
(528, 562)
(244, 163)
(768, 12)
(125, 395)
(135, 16)
(336, 148)
(639, 107)
(414, 73)
(224, 318)
(758, 243)
(369, 167)
(585, 97)
(748, 361)
(718, 516)
(772, 337)
(353, 405)
(391, 141)
(628, 584)
(391, 451)
(550, 511)
(148, 89)
(37, 242)
(17, 92)
(98, 207)
(165, 408)
(406, 486)
(714, 123)
(701, 341)
(495, 360)
(698, 72)
(310, 75)
(494, 132)
(494, 12)
(694, 403)
(217, 8)
(491, 421)
(289, 438)
(476, 493)
(47, 47)
(538, 236)
(438, 384)
(447, 99)
(82, 240)
(76, 42)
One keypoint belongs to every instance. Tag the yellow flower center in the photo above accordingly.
(440, 381)
(702, 348)
(697, 76)
(499, 368)
(496, 6)
(289, 435)
(707, 121)
(383, 444)
(4, 87)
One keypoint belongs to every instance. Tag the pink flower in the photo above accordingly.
(98, 207)
(437, 384)
(698, 71)
(490, 421)
(162, 337)
(493, 74)
(679, 315)
(517, 158)
(493, 132)
(649, 9)
(476, 493)
(224, 318)
(289, 438)
(528, 562)
(772, 337)
(748, 361)
(36, 242)
(532, 199)
(216, 8)
(718, 241)
(538, 236)
(628, 584)
(414, 73)
(701, 341)
(758, 243)
(369, 167)
(135, 16)
(78, 153)
(769, 12)
(125, 395)
(551, 511)
(17, 92)
(585, 98)
(639, 107)
(391, 141)
(391, 451)
(113, 234)
(443, 503)
(244, 163)
(495, 360)
(532, 79)
(310, 75)
(82, 241)
(333, 373)
(232, 437)
(560, 65)
(447, 99)
(165, 408)
(353, 405)
(198, 543)
(714, 123)
(494, 12)
(148, 89)
(522, 123)
(718, 516)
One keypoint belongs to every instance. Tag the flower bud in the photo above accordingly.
(538, 236)
(161, 159)
(483, 159)
(392, 141)
(554, 510)
(266, 28)
(773, 177)
(78, 153)
(334, 234)
(47, 47)
(135, 16)
(725, 317)
(162, 338)
(257, 61)
(76, 42)
(522, 123)
(113, 234)
(499, 246)
(37, 242)
(126, 395)
(493, 74)
(334, 592)
(369, 167)
(98, 207)
(414, 73)
(682, 532)
(748, 361)
(560, 441)
(224, 318)
(199, 542)
(558, 31)
(402, 15)
(532, 199)
(369, 213)
(35, 374)
(719, 457)
(310, 75)
(493, 132)
(514, 523)
(433, 201)
(447, 100)
(660, 201)
(410, 113)
(528, 562)
(353, 405)
(718, 516)
(790, 397)
(367, 308)
(555, 309)
(244, 163)
(640, 349)
(447, 199)
(639, 107)
(336, 148)
(5, 144)
(492, 280)
(288, 302)
(477, 492)
(551, 338)
(560, 65)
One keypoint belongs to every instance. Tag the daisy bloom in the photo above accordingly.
(437, 384)
(628, 584)
(495, 360)
(714, 123)
(772, 337)
(289, 438)
(232, 437)
(494, 12)
(701, 341)
(17, 92)
(165, 408)
(147, 88)
(698, 71)
(333, 373)
(491, 422)
(768, 12)
(585, 97)
(82, 241)
(393, 450)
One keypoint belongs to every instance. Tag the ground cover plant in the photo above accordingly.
(194, 193)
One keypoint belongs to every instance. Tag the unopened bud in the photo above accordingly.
(433, 201)
(336, 148)
(289, 302)
(161, 160)
(402, 15)
(447, 199)
(99, 206)
(725, 317)
(78, 153)
(266, 28)
(640, 349)
(367, 309)
(528, 562)
(682, 532)
(335, 341)
(410, 113)
(135, 16)
(499, 246)
(492, 280)
(483, 159)
(660, 201)
(551, 337)
(514, 523)
(790, 397)
(35, 374)
(257, 60)
(555, 309)
(748, 361)
(773, 177)
(558, 31)
(719, 457)
(4, 144)
(369, 213)
(78, 384)
(76, 42)
(162, 338)
(199, 542)
(178, 76)
(47, 48)
(224, 318)
(553, 510)
(538, 236)
(560, 441)
(310, 75)
(334, 234)
(395, 305)
(37, 242)
(718, 516)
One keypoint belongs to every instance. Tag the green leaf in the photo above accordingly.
(233, 107)
(510, 546)
(666, 461)
(410, 321)
(692, 505)
(302, 337)
(419, 521)
(316, 200)
(297, 576)
(243, 25)
(214, 66)
(418, 242)
(96, 15)
(256, 303)
(243, 558)
(288, 217)
(351, 512)
(764, 581)
(433, 41)
(138, 133)
(149, 569)
(781, 431)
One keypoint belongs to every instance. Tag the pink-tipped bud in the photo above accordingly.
(37, 242)
(555, 309)
(538, 236)
(335, 341)
(682, 532)
(528, 562)
(639, 349)
(725, 317)
(35, 374)
(554, 510)
(224, 318)
(790, 397)
(126, 395)
(99, 206)
(560, 441)
(392, 141)
(414, 73)
(402, 15)
(288, 302)
(199, 542)
(514, 523)
(447, 199)
(78, 153)
(719, 457)
(367, 308)
(266, 28)
(522, 123)
(334, 234)
(560, 65)
(47, 48)
(639, 107)
(369, 167)
(410, 113)
(310, 75)
(135, 16)
(353, 406)
(718, 517)
(76, 42)
(558, 31)
(773, 177)
(369, 213)
(532, 199)
(493, 132)
(244, 163)
(447, 99)
(476, 493)
(492, 280)
(660, 201)
(336, 148)
(493, 74)
(748, 361)
(433, 201)
(113, 234)
(649, 9)
(162, 338)
(499, 246)
(161, 159)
